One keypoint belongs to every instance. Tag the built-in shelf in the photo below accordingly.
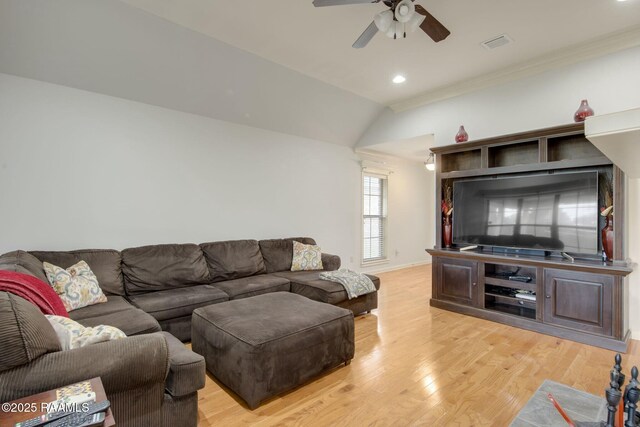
(510, 305)
(581, 299)
(513, 284)
(571, 147)
(522, 153)
(464, 160)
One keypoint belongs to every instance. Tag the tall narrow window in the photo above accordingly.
(374, 197)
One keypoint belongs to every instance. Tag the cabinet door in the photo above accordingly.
(581, 301)
(457, 280)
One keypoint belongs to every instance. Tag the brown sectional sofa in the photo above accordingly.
(156, 288)
(153, 288)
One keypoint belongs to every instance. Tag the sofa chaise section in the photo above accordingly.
(309, 284)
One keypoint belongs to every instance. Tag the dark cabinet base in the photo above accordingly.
(579, 301)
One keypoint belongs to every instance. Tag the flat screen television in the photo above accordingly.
(556, 212)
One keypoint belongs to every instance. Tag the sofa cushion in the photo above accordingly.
(278, 253)
(72, 334)
(306, 257)
(23, 262)
(25, 333)
(131, 321)
(255, 285)
(233, 259)
(77, 285)
(105, 263)
(162, 267)
(309, 284)
(174, 303)
(113, 305)
(186, 368)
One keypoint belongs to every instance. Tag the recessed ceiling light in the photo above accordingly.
(399, 79)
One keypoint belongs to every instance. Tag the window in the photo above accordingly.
(374, 217)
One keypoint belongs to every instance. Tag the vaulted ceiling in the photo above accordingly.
(288, 66)
(317, 41)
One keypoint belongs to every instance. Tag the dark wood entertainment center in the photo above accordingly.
(584, 300)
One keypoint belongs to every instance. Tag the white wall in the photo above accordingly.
(80, 170)
(611, 83)
(110, 47)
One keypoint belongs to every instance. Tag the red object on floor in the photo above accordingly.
(560, 410)
(33, 290)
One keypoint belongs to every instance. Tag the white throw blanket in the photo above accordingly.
(356, 284)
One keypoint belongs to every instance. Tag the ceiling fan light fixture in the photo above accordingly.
(404, 11)
(384, 20)
(391, 32)
(395, 31)
(415, 22)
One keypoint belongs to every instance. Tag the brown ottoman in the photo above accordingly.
(270, 343)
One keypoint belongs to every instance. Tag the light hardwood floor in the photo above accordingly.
(420, 366)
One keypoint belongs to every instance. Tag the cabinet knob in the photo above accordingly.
(549, 296)
(474, 284)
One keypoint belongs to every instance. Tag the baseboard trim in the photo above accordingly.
(398, 267)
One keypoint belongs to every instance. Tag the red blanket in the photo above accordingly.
(33, 290)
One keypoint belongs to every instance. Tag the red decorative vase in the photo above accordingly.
(446, 232)
(583, 112)
(607, 238)
(462, 135)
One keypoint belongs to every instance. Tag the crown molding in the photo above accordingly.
(562, 57)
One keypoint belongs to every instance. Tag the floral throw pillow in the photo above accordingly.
(306, 257)
(77, 285)
(73, 335)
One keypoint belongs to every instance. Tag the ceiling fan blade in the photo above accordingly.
(322, 3)
(432, 26)
(366, 36)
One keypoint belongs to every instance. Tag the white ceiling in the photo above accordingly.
(317, 41)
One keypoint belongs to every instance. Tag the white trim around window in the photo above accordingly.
(374, 230)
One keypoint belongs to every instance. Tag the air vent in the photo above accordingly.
(496, 42)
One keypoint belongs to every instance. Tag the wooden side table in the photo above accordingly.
(37, 402)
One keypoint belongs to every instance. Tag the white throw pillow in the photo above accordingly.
(77, 285)
(306, 257)
(73, 335)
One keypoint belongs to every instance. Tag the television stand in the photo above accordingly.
(581, 300)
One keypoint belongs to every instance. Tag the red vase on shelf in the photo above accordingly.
(583, 112)
(607, 238)
(462, 135)
(446, 231)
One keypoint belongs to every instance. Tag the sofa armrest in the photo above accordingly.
(330, 262)
(123, 364)
(186, 368)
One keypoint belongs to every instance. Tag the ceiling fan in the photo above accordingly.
(402, 15)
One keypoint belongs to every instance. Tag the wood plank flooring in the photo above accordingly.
(421, 366)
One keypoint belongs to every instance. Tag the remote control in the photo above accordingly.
(79, 419)
(92, 408)
(521, 278)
